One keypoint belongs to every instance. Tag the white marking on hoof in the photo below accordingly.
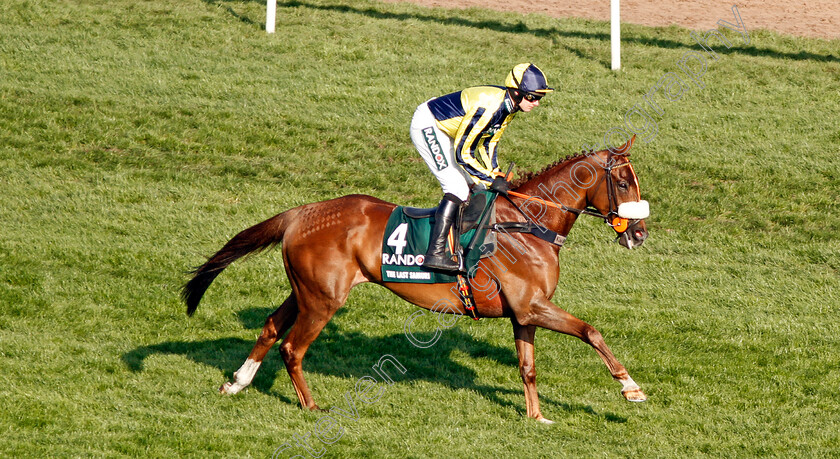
(545, 421)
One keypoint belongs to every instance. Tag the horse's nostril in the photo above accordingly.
(639, 235)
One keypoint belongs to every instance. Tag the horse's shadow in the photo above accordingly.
(352, 354)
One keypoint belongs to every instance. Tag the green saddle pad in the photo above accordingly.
(406, 241)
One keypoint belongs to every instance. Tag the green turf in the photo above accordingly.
(136, 137)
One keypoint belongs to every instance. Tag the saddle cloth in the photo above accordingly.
(407, 239)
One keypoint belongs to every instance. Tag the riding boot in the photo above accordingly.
(445, 216)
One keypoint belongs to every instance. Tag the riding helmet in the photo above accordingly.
(528, 78)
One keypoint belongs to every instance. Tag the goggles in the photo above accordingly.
(530, 97)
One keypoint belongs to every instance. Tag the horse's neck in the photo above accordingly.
(556, 185)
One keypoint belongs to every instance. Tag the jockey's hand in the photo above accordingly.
(500, 185)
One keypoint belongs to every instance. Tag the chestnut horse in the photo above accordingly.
(331, 246)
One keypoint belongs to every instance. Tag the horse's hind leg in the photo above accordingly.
(311, 320)
(275, 326)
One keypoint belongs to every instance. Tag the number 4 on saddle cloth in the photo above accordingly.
(407, 237)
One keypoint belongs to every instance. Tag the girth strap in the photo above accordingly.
(531, 228)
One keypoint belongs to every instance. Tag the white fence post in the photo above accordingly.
(615, 33)
(270, 15)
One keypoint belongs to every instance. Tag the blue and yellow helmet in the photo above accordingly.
(529, 79)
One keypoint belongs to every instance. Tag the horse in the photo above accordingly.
(350, 229)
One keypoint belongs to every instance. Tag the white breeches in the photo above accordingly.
(435, 147)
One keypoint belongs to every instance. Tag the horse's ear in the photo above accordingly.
(625, 149)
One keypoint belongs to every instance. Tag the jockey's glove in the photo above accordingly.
(500, 185)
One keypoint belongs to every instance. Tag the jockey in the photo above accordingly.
(456, 135)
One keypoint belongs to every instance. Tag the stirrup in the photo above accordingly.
(443, 263)
(446, 263)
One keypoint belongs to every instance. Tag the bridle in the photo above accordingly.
(612, 218)
(618, 223)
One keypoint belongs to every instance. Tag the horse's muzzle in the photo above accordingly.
(635, 235)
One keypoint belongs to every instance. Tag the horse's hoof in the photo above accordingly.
(225, 388)
(634, 395)
(545, 421)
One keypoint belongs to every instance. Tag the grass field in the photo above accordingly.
(136, 137)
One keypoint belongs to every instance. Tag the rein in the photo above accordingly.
(618, 223)
(528, 197)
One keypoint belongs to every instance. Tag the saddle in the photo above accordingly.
(468, 219)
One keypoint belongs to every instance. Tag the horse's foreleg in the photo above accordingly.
(275, 326)
(548, 315)
(524, 340)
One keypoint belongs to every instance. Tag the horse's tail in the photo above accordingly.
(254, 239)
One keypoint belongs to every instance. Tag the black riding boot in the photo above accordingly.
(444, 218)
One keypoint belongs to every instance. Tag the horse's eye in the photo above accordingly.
(622, 185)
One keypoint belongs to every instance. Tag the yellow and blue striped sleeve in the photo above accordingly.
(473, 149)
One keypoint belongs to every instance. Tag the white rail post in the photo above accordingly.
(270, 15)
(615, 33)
